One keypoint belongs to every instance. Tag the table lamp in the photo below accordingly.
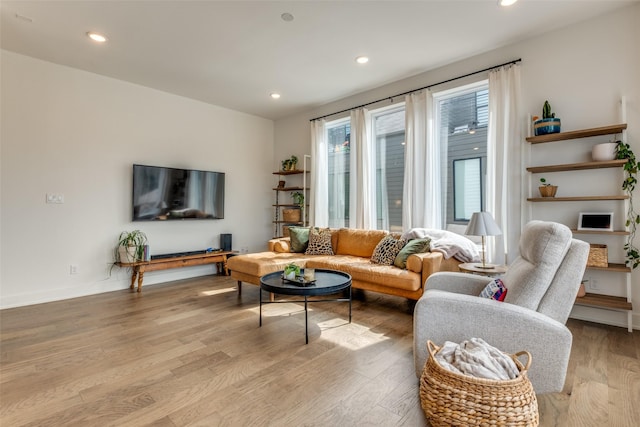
(482, 224)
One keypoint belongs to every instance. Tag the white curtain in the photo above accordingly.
(319, 191)
(382, 193)
(362, 183)
(504, 174)
(421, 205)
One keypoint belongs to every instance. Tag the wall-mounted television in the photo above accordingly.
(162, 194)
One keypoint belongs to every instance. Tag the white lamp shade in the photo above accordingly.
(482, 224)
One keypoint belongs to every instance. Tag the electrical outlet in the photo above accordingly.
(54, 198)
(244, 250)
(592, 284)
(73, 269)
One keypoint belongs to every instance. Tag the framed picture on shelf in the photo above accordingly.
(595, 221)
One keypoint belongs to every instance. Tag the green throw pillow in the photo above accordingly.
(299, 239)
(415, 246)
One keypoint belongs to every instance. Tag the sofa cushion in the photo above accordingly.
(358, 242)
(386, 250)
(414, 246)
(259, 264)
(362, 270)
(299, 239)
(319, 242)
(281, 246)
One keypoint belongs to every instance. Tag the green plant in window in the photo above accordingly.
(623, 151)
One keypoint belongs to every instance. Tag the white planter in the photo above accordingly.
(127, 254)
(604, 152)
(290, 276)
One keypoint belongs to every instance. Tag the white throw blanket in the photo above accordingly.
(450, 244)
(477, 358)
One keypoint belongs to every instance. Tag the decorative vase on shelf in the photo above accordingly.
(604, 152)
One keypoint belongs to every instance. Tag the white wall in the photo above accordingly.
(583, 70)
(76, 133)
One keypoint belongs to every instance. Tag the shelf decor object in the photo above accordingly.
(482, 224)
(548, 123)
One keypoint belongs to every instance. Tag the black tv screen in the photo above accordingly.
(161, 194)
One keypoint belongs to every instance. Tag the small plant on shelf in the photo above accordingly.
(546, 189)
(623, 151)
(298, 199)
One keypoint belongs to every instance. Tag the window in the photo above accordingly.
(462, 118)
(388, 127)
(338, 139)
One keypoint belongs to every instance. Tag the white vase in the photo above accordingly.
(290, 276)
(603, 152)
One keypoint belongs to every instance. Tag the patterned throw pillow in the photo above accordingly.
(495, 289)
(319, 242)
(387, 250)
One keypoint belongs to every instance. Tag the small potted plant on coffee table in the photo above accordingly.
(291, 271)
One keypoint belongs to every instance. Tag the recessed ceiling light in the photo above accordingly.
(287, 17)
(362, 59)
(275, 95)
(96, 37)
(506, 2)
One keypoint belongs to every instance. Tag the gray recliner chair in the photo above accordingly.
(542, 284)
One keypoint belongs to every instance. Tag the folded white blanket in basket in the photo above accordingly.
(477, 358)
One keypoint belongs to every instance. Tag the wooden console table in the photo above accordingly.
(140, 267)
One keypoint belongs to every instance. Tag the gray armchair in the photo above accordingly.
(542, 284)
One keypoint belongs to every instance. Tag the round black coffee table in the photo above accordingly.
(327, 282)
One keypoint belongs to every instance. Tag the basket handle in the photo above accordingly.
(520, 353)
(432, 348)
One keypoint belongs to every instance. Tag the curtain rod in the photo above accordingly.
(419, 89)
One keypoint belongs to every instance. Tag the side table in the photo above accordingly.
(472, 267)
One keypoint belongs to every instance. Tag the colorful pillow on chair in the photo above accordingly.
(494, 290)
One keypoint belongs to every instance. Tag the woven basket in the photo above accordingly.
(598, 256)
(291, 215)
(452, 399)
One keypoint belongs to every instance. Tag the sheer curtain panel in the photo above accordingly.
(422, 184)
(362, 180)
(504, 176)
(318, 194)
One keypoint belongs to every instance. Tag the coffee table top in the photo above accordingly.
(327, 282)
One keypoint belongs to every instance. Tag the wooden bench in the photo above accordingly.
(140, 267)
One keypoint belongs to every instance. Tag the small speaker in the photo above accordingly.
(225, 242)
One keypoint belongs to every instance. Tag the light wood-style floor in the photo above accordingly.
(191, 353)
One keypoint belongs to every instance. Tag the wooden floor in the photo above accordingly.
(191, 353)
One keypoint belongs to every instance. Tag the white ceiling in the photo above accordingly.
(235, 53)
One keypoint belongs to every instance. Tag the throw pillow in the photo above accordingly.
(319, 242)
(387, 250)
(299, 239)
(495, 289)
(415, 246)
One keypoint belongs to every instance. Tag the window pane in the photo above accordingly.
(467, 190)
(338, 138)
(390, 145)
(462, 135)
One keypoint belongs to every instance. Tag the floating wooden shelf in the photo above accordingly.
(576, 199)
(612, 233)
(289, 189)
(621, 268)
(578, 166)
(288, 222)
(295, 172)
(604, 301)
(583, 133)
(287, 206)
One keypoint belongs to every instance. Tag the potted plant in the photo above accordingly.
(291, 271)
(293, 161)
(546, 189)
(286, 164)
(623, 151)
(131, 246)
(548, 123)
(294, 214)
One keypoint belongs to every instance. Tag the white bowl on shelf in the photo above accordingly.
(603, 152)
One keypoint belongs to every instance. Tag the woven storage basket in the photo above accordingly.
(291, 215)
(598, 256)
(452, 399)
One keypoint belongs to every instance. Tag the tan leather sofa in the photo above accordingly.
(353, 249)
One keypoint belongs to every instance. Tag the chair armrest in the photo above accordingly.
(425, 263)
(445, 316)
(460, 283)
(279, 244)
